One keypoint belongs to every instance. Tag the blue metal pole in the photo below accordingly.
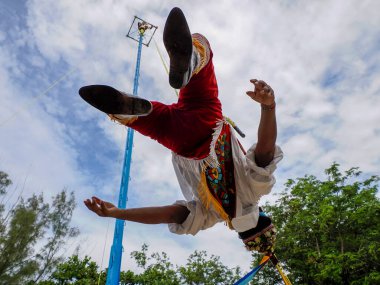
(113, 273)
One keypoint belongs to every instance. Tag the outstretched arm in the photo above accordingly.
(267, 132)
(147, 215)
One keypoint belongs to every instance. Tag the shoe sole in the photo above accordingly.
(111, 101)
(179, 44)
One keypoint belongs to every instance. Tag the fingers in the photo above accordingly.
(258, 83)
(261, 85)
(108, 204)
(89, 204)
(252, 94)
(96, 199)
(94, 205)
(262, 93)
(103, 206)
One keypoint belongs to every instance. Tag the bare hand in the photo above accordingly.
(100, 207)
(262, 93)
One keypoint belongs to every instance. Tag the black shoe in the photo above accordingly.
(111, 101)
(262, 237)
(263, 224)
(179, 45)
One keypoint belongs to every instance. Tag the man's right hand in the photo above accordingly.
(100, 207)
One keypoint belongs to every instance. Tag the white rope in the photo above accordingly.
(163, 62)
(38, 96)
(119, 160)
(104, 249)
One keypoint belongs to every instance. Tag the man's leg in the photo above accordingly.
(178, 44)
(186, 127)
(261, 238)
(111, 101)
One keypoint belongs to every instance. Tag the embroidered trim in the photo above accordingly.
(263, 242)
(221, 180)
(208, 200)
(203, 51)
(199, 166)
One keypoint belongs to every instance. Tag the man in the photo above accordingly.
(220, 182)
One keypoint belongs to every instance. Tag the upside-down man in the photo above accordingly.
(219, 180)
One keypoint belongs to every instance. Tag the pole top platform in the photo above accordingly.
(141, 27)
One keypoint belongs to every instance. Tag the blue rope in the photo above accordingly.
(249, 276)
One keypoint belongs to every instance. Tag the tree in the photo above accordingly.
(4, 183)
(59, 219)
(328, 231)
(200, 269)
(157, 270)
(29, 222)
(76, 271)
(25, 228)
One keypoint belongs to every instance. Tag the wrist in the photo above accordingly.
(114, 213)
(268, 107)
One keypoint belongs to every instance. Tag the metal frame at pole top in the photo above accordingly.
(113, 272)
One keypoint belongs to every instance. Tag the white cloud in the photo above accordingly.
(290, 45)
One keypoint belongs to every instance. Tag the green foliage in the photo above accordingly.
(26, 227)
(76, 271)
(268, 275)
(4, 182)
(156, 270)
(27, 223)
(328, 231)
(200, 270)
(59, 219)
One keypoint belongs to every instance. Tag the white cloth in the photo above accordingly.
(251, 182)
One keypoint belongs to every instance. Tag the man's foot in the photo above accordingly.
(262, 237)
(179, 45)
(111, 101)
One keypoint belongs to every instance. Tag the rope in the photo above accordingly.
(276, 263)
(237, 129)
(104, 249)
(163, 63)
(249, 276)
(283, 275)
(119, 160)
(38, 96)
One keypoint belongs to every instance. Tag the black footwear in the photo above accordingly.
(111, 101)
(262, 237)
(179, 45)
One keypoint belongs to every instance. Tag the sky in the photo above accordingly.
(322, 59)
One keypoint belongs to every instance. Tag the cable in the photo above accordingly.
(104, 249)
(163, 62)
(38, 96)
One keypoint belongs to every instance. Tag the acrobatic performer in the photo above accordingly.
(219, 180)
